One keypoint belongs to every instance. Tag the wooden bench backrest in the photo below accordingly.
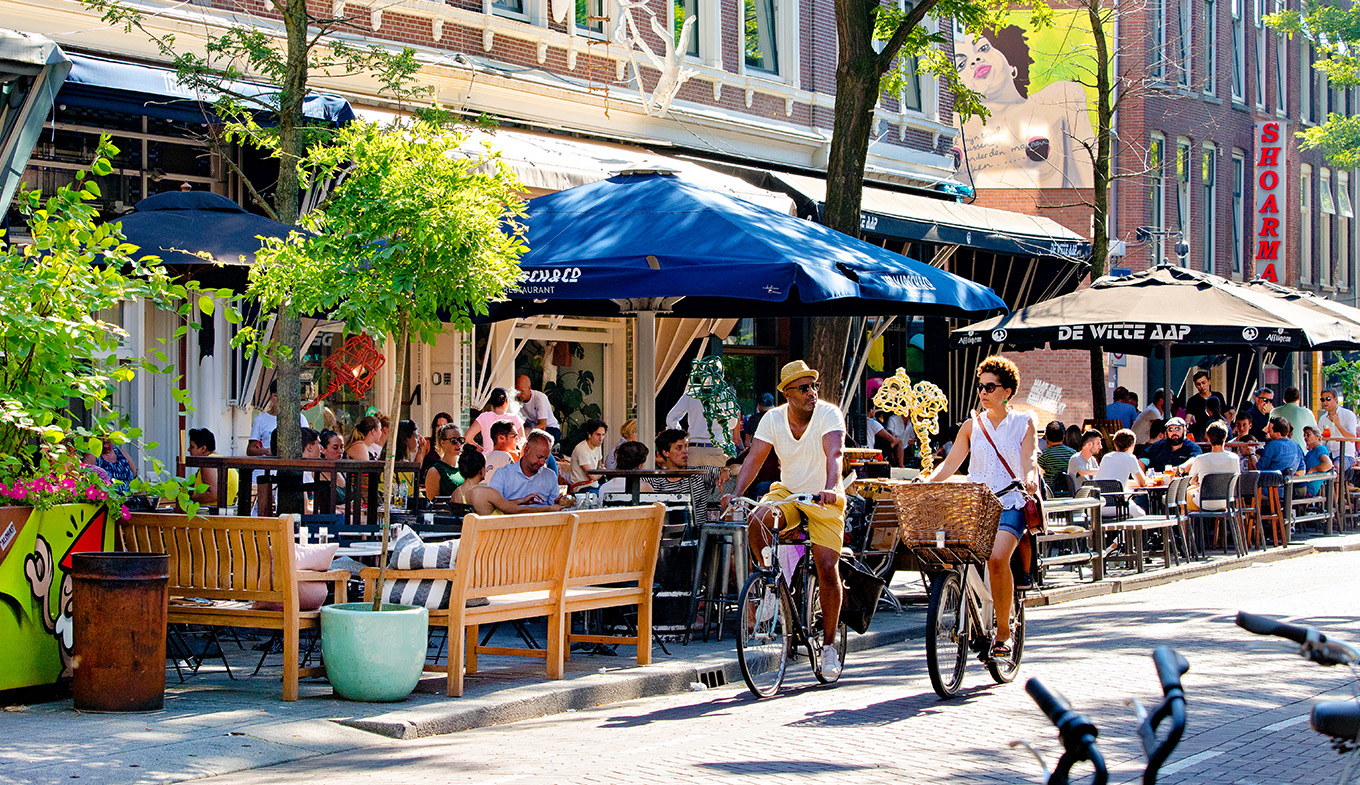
(218, 557)
(616, 544)
(507, 554)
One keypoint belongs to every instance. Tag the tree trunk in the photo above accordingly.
(826, 340)
(1097, 383)
(389, 470)
(288, 359)
(1102, 171)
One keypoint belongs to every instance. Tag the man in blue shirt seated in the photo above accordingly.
(1315, 459)
(1281, 454)
(528, 485)
(1121, 409)
(1174, 450)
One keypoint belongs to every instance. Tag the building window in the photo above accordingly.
(1183, 14)
(1281, 68)
(508, 7)
(1344, 213)
(1306, 224)
(1239, 190)
(1324, 95)
(1158, 8)
(1208, 173)
(1183, 168)
(1260, 8)
(682, 10)
(590, 16)
(1306, 82)
(1157, 197)
(761, 34)
(1239, 52)
(1210, 47)
(1325, 228)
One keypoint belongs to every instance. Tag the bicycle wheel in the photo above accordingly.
(813, 597)
(946, 649)
(764, 642)
(1004, 671)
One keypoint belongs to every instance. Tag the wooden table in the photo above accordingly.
(1068, 508)
(325, 498)
(632, 478)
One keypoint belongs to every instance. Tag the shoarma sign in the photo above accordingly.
(1270, 201)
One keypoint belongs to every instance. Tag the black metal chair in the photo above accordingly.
(1247, 509)
(1213, 489)
(1115, 495)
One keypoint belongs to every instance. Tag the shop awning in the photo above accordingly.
(31, 70)
(131, 88)
(924, 219)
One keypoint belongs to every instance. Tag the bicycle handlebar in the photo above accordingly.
(1078, 734)
(1053, 705)
(1171, 666)
(1262, 625)
(1313, 644)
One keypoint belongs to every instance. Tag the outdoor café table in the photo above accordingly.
(1326, 516)
(325, 499)
(632, 478)
(1068, 508)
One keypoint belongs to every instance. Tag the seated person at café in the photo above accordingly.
(1120, 464)
(1053, 460)
(1174, 450)
(528, 485)
(1316, 458)
(672, 452)
(443, 476)
(1215, 461)
(1120, 409)
(1280, 454)
(1246, 453)
(1083, 465)
(472, 465)
(1297, 416)
(588, 455)
(503, 444)
(629, 455)
(333, 449)
(880, 438)
(202, 443)
(1262, 404)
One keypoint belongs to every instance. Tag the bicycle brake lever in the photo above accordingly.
(1032, 751)
(1138, 711)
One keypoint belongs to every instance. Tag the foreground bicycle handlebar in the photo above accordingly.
(1313, 644)
(1078, 735)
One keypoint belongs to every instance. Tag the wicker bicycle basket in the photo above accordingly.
(964, 515)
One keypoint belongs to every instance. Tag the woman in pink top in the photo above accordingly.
(479, 433)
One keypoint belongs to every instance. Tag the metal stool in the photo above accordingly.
(729, 541)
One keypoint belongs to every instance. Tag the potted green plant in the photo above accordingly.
(412, 232)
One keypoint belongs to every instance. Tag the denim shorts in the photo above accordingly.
(1013, 521)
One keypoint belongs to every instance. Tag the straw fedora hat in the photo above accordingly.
(795, 370)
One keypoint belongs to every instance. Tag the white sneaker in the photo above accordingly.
(768, 604)
(831, 662)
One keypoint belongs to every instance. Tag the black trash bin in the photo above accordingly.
(119, 606)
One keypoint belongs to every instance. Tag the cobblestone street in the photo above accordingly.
(1247, 707)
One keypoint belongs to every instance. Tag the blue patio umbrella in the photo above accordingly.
(651, 242)
(176, 225)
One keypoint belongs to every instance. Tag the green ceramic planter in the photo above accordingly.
(374, 657)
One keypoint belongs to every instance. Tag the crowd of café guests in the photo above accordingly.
(1203, 435)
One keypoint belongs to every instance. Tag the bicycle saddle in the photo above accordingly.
(1338, 719)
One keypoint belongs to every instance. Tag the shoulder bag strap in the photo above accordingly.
(994, 449)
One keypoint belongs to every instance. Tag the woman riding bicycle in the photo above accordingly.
(1012, 435)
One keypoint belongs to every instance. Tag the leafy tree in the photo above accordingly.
(57, 340)
(411, 235)
(1335, 32)
(877, 45)
(246, 50)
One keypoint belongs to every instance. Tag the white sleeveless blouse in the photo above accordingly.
(983, 465)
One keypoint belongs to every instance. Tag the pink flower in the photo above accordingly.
(126, 513)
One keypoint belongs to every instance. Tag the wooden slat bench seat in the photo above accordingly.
(616, 545)
(234, 562)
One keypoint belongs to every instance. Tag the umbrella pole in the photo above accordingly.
(1166, 379)
(644, 371)
(1260, 368)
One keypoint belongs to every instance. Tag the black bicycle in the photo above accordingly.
(1079, 734)
(781, 610)
(1339, 721)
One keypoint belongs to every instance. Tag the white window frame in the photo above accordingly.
(1239, 217)
(606, 9)
(1281, 68)
(707, 33)
(927, 85)
(1239, 51)
(1306, 82)
(1210, 47)
(1306, 225)
(1184, 37)
(1259, 6)
(1157, 196)
(1208, 172)
(1158, 65)
(1345, 212)
(786, 43)
(535, 11)
(1328, 206)
(1184, 168)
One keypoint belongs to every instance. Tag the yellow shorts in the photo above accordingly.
(826, 523)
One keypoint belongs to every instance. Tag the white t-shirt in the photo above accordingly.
(802, 462)
(537, 408)
(1346, 418)
(872, 427)
(897, 426)
(1213, 463)
(1117, 465)
(698, 424)
(263, 427)
(496, 459)
(585, 457)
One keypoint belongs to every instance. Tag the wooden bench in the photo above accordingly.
(234, 562)
(519, 564)
(616, 545)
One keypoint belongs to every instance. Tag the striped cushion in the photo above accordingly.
(411, 553)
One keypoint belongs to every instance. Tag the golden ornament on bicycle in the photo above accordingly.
(921, 405)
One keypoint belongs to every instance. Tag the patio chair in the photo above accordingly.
(1270, 507)
(1249, 510)
(1064, 485)
(1114, 494)
(1219, 488)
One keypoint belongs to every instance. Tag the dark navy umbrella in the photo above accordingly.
(651, 242)
(176, 225)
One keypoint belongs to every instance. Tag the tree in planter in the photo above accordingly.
(411, 233)
(57, 343)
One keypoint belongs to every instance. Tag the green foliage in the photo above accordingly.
(59, 336)
(1345, 374)
(926, 47)
(412, 231)
(1335, 31)
(568, 398)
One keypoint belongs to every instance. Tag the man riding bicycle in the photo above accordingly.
(808, 435)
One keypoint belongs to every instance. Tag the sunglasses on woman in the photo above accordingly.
(988, 387)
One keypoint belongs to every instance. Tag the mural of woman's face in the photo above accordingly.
(982, 67)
